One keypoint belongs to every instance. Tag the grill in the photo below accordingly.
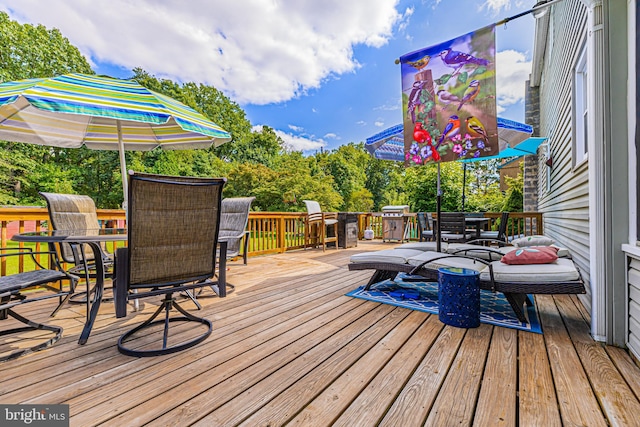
(395, 222)
(347, 229)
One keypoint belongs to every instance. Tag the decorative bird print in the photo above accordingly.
(447, 97)
(470, 93)
(414, 98)
(457, 60)
(420, 134)
(476, 128)
(420, 63)
(450, 130)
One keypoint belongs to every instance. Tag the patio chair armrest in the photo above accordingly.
(232, 237)
(22, 251)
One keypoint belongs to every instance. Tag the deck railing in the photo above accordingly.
(520, 224)
(271, 232)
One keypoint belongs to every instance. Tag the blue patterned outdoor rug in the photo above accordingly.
(423, 296)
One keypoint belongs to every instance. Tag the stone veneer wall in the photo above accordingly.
(531, 117)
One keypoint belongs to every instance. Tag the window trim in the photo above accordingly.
(580, 111)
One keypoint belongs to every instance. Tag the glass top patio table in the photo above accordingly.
(79, 236)
(92, 238)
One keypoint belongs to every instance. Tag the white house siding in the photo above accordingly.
(566, 203)
(633, 308)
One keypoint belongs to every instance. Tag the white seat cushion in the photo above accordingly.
(424, 246)
(561, 270)
(562, 252)
(447, 261)
(395, 256)
(483, 252)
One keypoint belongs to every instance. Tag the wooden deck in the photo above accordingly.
(289, 348)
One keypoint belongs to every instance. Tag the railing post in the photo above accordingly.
(282, 241)
(3, 261)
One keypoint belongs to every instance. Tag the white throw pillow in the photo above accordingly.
(532, 241)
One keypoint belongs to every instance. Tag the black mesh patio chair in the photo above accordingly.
(425, 226)
(76, 212)
(31, 286)
(453, 227)
(234, 218)
(173, 227)
(501, 233)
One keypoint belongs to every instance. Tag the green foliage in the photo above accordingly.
(347, 166)
(421, 187)
(483, 186)
(380, 176)
(514, 201)
(283, 188)
(28, 51)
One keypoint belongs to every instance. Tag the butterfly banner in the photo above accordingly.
(449, 100)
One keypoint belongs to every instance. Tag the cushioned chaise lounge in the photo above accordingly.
(514, 281)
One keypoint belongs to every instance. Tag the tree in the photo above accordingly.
(347, 167)
(28, 51)
(421, 187)
(261, 146)
(514, 201)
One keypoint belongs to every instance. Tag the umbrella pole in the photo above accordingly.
(464, 183)
(125, 191)
(123, 168)
(438, 203)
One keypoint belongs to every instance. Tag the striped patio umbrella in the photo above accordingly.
(101, 113)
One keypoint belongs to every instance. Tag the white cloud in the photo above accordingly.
(296, 128)
(512, 70)
(394, 105)
(259, 51)
(496, 5)
(331, 135)
(378, 123)
(300, 143)
(293, 142)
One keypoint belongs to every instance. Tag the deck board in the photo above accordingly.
(538, 405)
(499, 381)
(289, 347)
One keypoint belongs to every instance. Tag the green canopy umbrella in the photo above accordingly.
(101, 113)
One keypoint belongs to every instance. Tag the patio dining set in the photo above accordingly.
(180, 233)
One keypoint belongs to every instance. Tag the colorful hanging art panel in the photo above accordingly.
(449, 100)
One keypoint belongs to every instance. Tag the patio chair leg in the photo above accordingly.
(167, 304)
(192, 297)
(31, 326)
(379, 276)
(517, 302)
(62, 301)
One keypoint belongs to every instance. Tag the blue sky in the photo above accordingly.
(321, 73)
